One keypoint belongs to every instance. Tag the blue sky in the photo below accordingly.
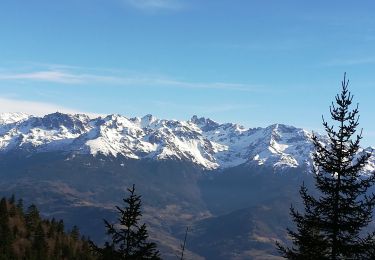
(250, 62)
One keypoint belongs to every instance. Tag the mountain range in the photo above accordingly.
(231, 185)
(201, 141)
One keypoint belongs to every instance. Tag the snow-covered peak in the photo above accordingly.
(205, 124)
(74, 122)
(10, 118)
(147, 120)
(370, 166)
(201, 141)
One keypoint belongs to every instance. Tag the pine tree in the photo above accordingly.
(331, 225)
(129, 238)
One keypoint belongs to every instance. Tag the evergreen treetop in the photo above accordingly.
(129, 237)
(332, 224)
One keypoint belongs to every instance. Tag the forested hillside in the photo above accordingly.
(25, 235)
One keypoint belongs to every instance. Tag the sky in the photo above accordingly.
(243, 61)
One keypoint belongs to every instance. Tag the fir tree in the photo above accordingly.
(331, 225)
(129, 238)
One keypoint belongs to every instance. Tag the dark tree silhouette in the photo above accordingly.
(129, 238)
(40, 244)
(75, 233)
(331, 225)
(32, 218)
(5, 232)
(183, 245)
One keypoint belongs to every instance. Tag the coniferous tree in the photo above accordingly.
(40, 245)
(20, 206)
(12, 199)
(5, 232)
(129, 237)
(332, 222)
(183, 245)
(74, 233)
(28, 236)
(60, 227)
(52, 228)
(32, 218)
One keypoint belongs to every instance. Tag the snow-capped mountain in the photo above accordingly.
(200, 140)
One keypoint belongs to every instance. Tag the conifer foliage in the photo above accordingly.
(129, 237)
(25, 235)
(332, 224)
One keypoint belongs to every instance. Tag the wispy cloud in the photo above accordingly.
(48, 76)
(152, 5)
(35, 108)
(63, 77)
(79, 77)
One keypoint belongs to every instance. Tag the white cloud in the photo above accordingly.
(34, 108)
(155, 4)
(77, 77)
(57, 76)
